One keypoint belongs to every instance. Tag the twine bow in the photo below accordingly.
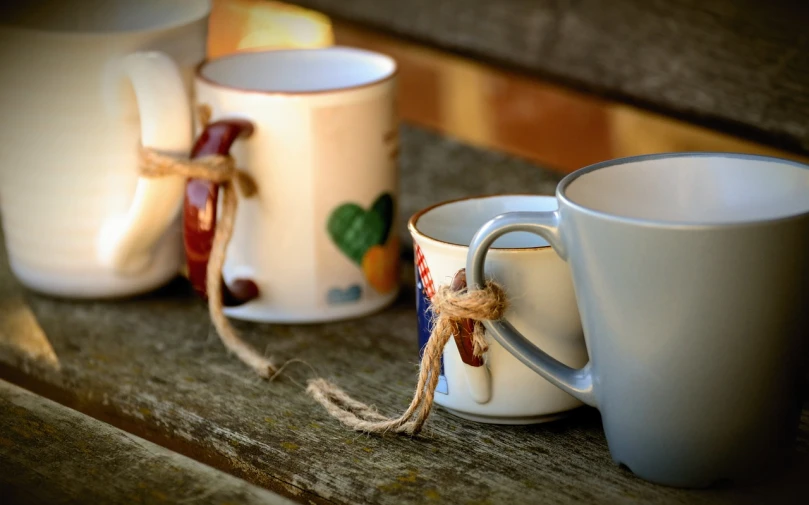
(221, 170)
(450, 308)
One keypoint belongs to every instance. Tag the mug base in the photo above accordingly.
(257, 312)
(514, 421)
(96, 286)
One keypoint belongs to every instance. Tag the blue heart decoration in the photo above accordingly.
(337, 296)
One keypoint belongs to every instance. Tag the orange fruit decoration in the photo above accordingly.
(381, 265)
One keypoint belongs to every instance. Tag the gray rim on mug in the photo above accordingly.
(568, 179)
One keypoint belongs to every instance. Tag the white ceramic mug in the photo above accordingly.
(499, 389)
(691, 272)
(87, 82)
(318, 241)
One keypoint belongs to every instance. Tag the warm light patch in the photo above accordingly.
(20, 331)
(241, 25)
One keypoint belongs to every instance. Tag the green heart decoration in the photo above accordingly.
(355, 230)
(384, 207)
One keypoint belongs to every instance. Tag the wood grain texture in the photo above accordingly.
(151, 365)
(53, 455)
(739, 66)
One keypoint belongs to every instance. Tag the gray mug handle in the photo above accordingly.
(576, 382)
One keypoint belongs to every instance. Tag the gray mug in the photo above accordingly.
(691, 272)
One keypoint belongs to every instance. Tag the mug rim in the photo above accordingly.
(659, 223)
(188, 20)
(198, 71)
(412, 223)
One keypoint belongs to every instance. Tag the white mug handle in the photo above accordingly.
(126, 242)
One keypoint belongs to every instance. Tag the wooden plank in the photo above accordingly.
(152, 366)
(738, 66)
(53, 455)
(547, 124)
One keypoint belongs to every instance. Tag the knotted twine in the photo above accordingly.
(449, 307)
(221, 170)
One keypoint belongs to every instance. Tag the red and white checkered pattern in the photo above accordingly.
(424, 272)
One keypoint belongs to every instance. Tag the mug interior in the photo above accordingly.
(299, 70)
(693, 188)
(456, 222)
(102, 16)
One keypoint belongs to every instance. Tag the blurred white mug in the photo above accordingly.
(85, 84)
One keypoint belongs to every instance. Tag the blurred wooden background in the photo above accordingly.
(485, 106)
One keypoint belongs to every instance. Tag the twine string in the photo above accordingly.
(450, 306)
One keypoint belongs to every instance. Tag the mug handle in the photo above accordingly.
(200, 211)
(546, 224)
(478, 378)
(126, 242)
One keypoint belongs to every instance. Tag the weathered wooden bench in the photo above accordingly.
(136, 401)
(153, 367)
(738, 66)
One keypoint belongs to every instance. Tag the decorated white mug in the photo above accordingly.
(691, 272)
(78, 221)
(316, 132)
(499, 389)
